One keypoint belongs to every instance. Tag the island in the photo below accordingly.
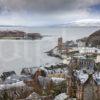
(16, 34)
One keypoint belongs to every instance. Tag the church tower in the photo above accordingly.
(60, 44)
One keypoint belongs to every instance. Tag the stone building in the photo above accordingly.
(60, 44)
(77, 63)
(71, 84)
(82, 86)
(68, 46)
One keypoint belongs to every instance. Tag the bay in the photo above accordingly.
(17, 54)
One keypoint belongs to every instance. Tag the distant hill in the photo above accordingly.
(94, 39)
(12, 34)
(19, 35)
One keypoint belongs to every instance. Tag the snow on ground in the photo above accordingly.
(61, 96)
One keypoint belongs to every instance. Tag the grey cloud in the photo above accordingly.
(44, 11)
(44, 6)
(38, 5)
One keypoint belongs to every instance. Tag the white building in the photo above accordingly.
(88, 50)
(98, 59)
(81, 42)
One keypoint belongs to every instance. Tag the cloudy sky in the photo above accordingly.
(48, 12)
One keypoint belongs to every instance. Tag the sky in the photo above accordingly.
(49, 12)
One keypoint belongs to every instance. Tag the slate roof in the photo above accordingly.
(29, 71)
(33, 96)
(44, 81)
(96, 77)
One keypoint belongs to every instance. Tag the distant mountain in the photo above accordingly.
(87, 22)
(81, 23)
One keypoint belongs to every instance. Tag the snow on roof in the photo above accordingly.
(33, 96)
(89, 50)
(96, 77)
(61, 96)
(28, 71)
(8, 86)
(80, 56)
(57, 80)
(81, 76)
(16, 78)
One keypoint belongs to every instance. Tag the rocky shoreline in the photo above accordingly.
(50, 53)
